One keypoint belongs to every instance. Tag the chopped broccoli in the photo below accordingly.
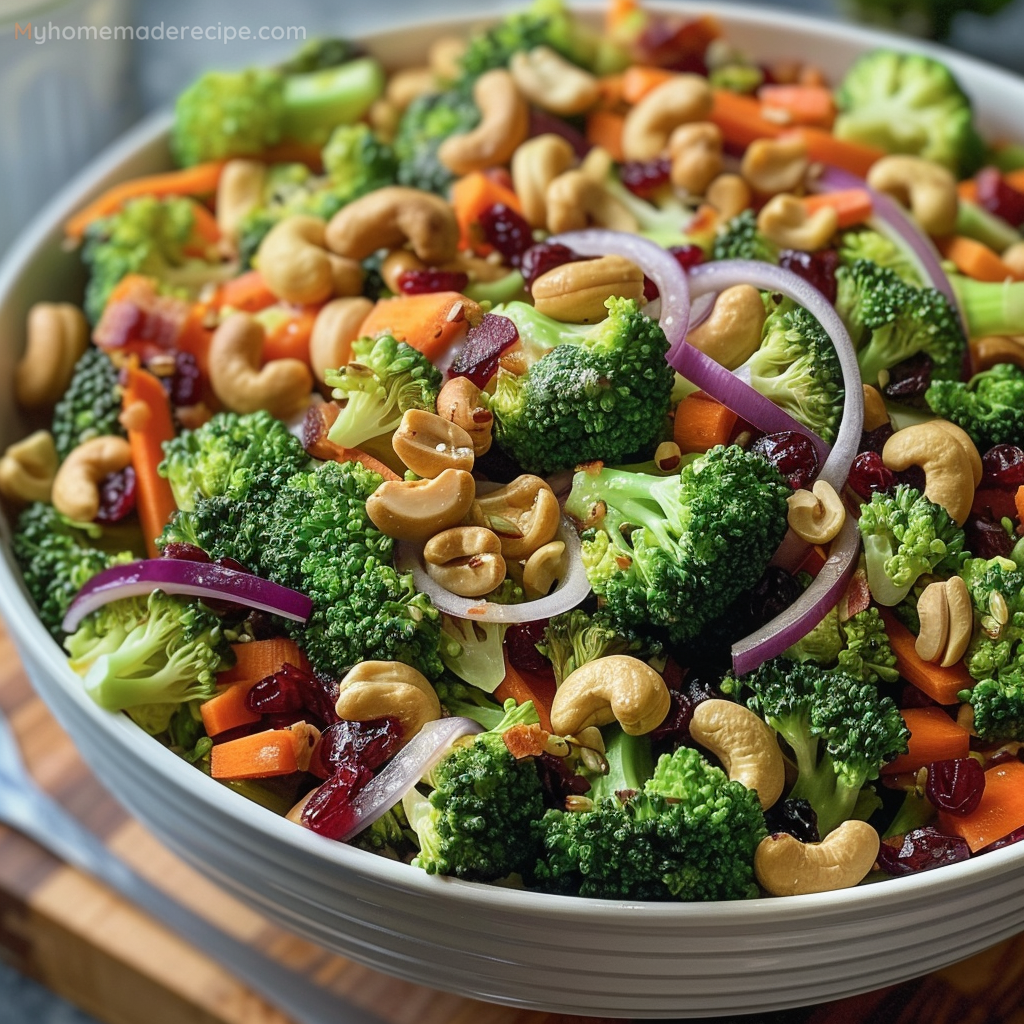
(602, 392)
(630, 765)
(990, 308)
(840, 731)
(91, 406)
(474, 650)
(241, 113)
(382, 380)
(822, 645)
(689, 834)
(976, 222)
(465, 701)
(740, 239)
(671, 553)
(663, 218)
(867, 655)
(928, 18)
(909, 103)
(477, 821)
(865, 244)
(425, 124)
(990, 406)
(905, 535)
(319, 54)
(389, 836)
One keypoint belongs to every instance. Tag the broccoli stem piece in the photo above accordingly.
(630, 764)
(990, 308)
(976, 222)
(315, 102)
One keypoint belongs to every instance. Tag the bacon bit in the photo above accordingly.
(857, 597)
(525, 741)
(478, 609)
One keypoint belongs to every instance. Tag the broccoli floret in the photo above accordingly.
(241, 113)
(57, 558)
(990, 406)
(739, 239)
(426, 123)
(382, 380)
(91, 406)
(630, 766)
(877, 248)
(357, 162)
(689, 834)
(890, 321)
(797, 367)
(905, 535)
(389, 836)
(477, 821)
(909, 103)
(840, 731)
(602, 392)
(822, 645)
(663, 219)
(474, 650)
(149, 236)
(867, 655)
(319, 54)
(671, 553)
(464, 701)
(990, 308)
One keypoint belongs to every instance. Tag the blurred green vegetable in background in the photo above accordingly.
(929, 19)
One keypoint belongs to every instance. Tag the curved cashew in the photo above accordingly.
(298, 268)
(947, 622)
(461, 402)
(550, 82)
(785, 221)
(535, 164)
(504, 125)
(335, 328)
(379, 689)
(649, 123)
(770, 166)
(817, 515)
(239, 192)
(465, 560)
(429, 444)
(747, 748)
(57, 335)
(76, 491)
(732, 332)
(417, 509)
(948, 469)
(696, 154)
(408, 84)
(964, 440)
(28, 468)
(576, 292)
(391, 217)
(986, 352)
(729, 194)
(445, 57)
(875, 413)
(384, 117)
(926, 188)
(786, 867)
(961, 621)
(524, 514)
(616, 688)
(281, 387)
(576, 201)
(543, 568)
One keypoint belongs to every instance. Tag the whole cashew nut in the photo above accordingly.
(239, 192)
(785, 221)
(875, 413)
(729, 194)
(408, 84)
(417, 509)
(57, 335)
(817, 515)
(927, 189)
(576, 201)
(616, 688)
(747, 748)
(649, 123)
(28, 468)
(771, 166)
(696, 154)
(964, 440)
(461, 402)
(389, 219)
(281, 386)
(535, 164)
(543, 568)
(335, 328)
(948, 469)
(465, 560)
(786, 867)
(550, 82)
(576, 292)
(986, 352)
(947, 622)
(76, 491)
(732, 332)
(523, 513)
(504, 125)
(429, 444)
(379, 689)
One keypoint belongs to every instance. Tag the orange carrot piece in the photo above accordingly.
(619, 12)
(824, 148)
(639, 80)
(261, 658)
(227, 709)
(471, 195)
(1018, 502)
(204, 226)
(432, 322)
(343, 454)
(289, 339)
(741, 119)
(974, 259)
(249, 293)
(798, 104)
(604, 129)
(522, 686)
(293, 153)
(813, 561)
(155, 502)
(610, 92)
(1000, 811)
(852, 205)
(259, 756)
(934, 736)
(701, 422)
(941, 684)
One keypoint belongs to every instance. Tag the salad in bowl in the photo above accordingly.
(590, 462)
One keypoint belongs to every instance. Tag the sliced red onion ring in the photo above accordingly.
(192, 579)
(404, 770)
(573, 589)
(807, 610)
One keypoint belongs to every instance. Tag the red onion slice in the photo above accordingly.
(191, 579)
(403, 771)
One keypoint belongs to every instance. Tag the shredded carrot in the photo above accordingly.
(604, 129)
(638, 80)
(853, 206)
(227, 709)
(470, 196)
(941, 684)
(289, 338)
(258, 659)
(798, 104)
(974, 259)
(523, 686)
(999, 813)
(741, 119)
(249, 293)
(431, 322)
(259, 756)
(934, 736)
(701, 422)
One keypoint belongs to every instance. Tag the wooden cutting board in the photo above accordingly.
(100, 953)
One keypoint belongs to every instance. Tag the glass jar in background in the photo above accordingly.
(65, 92)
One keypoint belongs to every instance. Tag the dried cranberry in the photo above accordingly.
(870, 475)
(521, 641)
(544, 256)
(508, 231)
(420, 282)
(674, 42)
(185, 385)
(792, 454)
(773, 593)
(294, 689)
(185, 552)
(227, 562)
(955, 785)
(818, 269)
(644, 177)
(874, 440)
(1008, 840)
(909, 380)
(544, 123)
(921, 850)
(368, 743)
(674, 731)
(687, 256)
(484, 344)
(1003, 466)
(985, 537)
(650, 289)
(117, 496)
(329, 810)
(998, 196)
(795, 817)
(913, 697)
(558, 780)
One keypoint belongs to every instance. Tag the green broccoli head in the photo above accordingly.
(389, 836)
(602, 392)
(671, 553)
(383, 379)
(822, 645)
(740, 239)
(865, 244)
(905, 536)
(462, 700)
(91, 406)
(867, 655)
(909, 103)
(357, 162)
(990, 406)
(425, 124)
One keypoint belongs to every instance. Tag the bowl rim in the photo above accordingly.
(30, 634)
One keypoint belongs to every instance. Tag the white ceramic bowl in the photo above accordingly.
(525, 949)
